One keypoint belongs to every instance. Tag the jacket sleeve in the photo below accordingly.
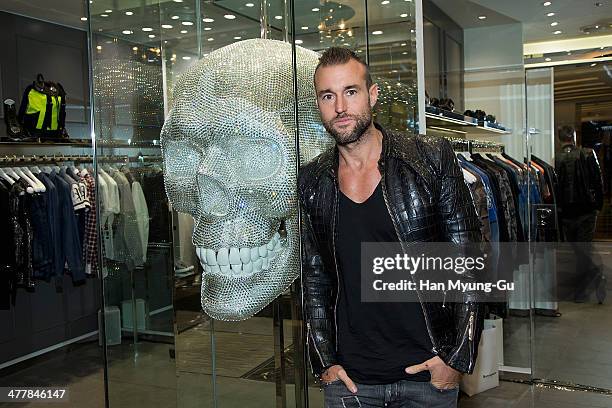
(317, 286)
(460, 225)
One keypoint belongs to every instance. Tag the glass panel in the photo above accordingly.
(392, 60)
(431, 37)
(135, 221)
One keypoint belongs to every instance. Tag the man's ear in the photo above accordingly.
(373, 94)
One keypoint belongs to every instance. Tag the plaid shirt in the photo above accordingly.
(90, 242)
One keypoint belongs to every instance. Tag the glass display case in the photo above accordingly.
(141, 52)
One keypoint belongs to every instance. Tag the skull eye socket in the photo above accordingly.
(255, 159)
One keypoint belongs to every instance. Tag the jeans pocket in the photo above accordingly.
(444, 390)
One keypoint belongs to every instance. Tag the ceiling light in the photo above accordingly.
(187, 23)
(134, 48)
(175, 17)
(151, 35)
(547, 59)
(384, 2)
(557, 32)
(211, 39)
(208, 20)
(550, 14)
(546, 3)
(187, 58)
(98, 47)
(482, 17)
(593, 64)
(304, 28)
(596, 27)
(250, 5)
(315, 9)
(278, 17)
(554, 23)
(184, 31)
(127, 32)
(147, 29)
(167, 26)
(405, 53)
(230, 16)
(404, 15)
(237, 37)
(108, 11)
(129, 13)
(178, 1)
(207, 28)
(377, 32)
(103, 15)
(299, 41)
(83, 18)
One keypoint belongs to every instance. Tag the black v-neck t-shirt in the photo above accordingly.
(376, 340)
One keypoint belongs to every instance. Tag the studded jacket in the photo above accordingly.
(428, 201)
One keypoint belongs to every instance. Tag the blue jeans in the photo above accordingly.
(401, 394)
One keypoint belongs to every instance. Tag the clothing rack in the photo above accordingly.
(473, 146)
(81, 158)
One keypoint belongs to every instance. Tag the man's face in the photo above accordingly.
(344, 100)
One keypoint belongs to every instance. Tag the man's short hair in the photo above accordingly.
(339, 56)
(566, 133)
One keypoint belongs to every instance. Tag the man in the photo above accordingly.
(376, 185)
(579, 198)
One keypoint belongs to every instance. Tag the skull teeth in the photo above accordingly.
(240, 261)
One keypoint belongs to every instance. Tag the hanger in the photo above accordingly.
(32, 183)
(40, 187)
(6, 177)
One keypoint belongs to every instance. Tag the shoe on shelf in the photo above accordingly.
(13, 129)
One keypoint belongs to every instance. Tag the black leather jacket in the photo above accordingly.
(428, 200)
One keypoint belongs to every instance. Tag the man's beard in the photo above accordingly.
(362, 123)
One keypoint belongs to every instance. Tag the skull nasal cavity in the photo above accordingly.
(214, 197)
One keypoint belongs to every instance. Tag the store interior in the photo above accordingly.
(496, 78)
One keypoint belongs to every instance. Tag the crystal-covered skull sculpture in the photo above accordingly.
(229, 153)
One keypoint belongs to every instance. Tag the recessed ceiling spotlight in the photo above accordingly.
(147, 29)
(103, 15)
(187, 23)
(127, 32)
(151, 35)
(98, 47)
(384, 2)
(211, 39)
(175, 17)
(547, 59)
(83, 18)
(134, 48)
(403, 44)
(108, 11)
(229, 16)
(405, 53)
(377, 32)
(593, 64)
(403, 15)
(167, 26)
(208, 20)
(482, 17)
(546, 3)
(278, 17)
(299, 42)
(550, 14)
(554, 23)
(558, 32)
(250, 5)
(178, 1)
(237, 37)
(596, 27)
(315, 9)
(304, 28)
(207, 28)
(129, 13)
(184, 31)
(186, 57)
